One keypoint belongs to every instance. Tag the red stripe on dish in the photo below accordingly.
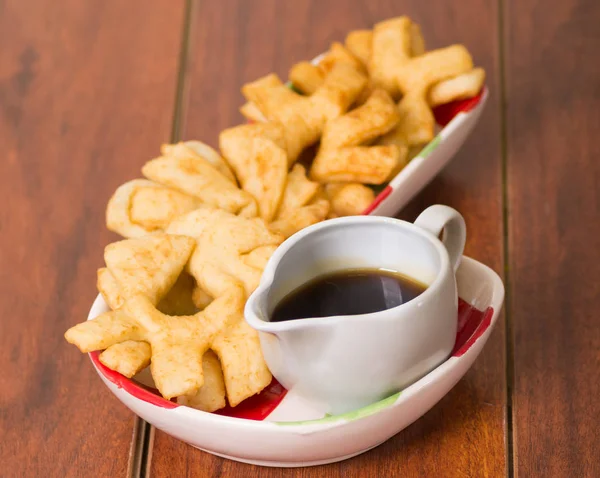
(472, 323)
(138, 390)
(378, 200)
(257, 407)
(446, 112)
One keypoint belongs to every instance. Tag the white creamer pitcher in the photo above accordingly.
(347, 362)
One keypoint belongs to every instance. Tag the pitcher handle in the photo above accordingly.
(438, 218)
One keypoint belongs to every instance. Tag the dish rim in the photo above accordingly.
(491, 314)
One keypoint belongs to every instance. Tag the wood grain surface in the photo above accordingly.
(233, 42)
(86, 96)
(553, 120)
(88, 92)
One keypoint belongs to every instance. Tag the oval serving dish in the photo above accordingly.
(276, 428)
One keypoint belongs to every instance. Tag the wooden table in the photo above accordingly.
(89, 90)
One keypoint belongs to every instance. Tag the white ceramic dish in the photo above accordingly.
(295, 432)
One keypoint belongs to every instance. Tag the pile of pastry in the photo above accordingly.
(203, 223)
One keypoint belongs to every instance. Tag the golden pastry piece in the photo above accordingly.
(200, 298)
(141, 207)
(363, 164)
(197, 177)
(342, 156)
(391, 44)
(302, 118)
(417, 123)
(151, 266)
(211, 396)
(251, 112)
(249, 109)
(147, 265)
(338, 53)
(155, 207)
(193, 224)
(374, 118)
(286, 109)
(460, 87)
(260, 165)
(390, 49)
(349, 199)
(232, 248)
(177, 343)
(177, 301)
(421, 72)
(128, 358)
(222, 241)
(299, 190)
(415, 78)
(198, 148)
(274, 99)
(360, 44)
(109, 288)
(228, 250)
(417, 42)
(259, 257)
(298, 219)
(342, 85)
(270, 130)
(244, 369)
(306, 77)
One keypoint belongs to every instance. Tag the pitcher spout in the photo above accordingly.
(256, 309)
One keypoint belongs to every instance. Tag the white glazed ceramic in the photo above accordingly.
(348, 362)
(297, 433)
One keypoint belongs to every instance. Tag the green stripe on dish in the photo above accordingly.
(350, 416)
(427, 150)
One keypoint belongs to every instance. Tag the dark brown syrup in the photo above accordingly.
(347, 292)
